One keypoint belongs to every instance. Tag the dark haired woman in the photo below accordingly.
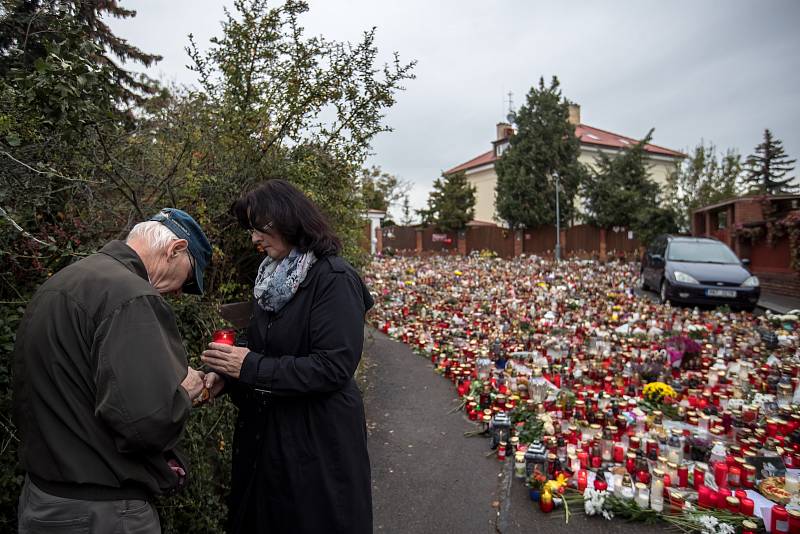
(300, 461)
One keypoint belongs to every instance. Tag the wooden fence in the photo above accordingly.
(578, 241)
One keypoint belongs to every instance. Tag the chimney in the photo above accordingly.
(574, 114)
(504, 131)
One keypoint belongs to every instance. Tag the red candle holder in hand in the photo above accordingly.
(226, 336)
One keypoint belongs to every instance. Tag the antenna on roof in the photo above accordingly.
(510, 115)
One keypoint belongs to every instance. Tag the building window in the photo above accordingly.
(722, 220)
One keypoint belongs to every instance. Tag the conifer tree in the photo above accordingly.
(406, 220)
(766, 170)
(620, 190)
(543, 149)
(29, 28)
(451, 204)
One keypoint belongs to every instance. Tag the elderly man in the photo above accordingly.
(102, 385)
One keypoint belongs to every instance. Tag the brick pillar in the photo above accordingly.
(419, 240)
(378, 240)
(461, 237)
(707, 222)
(603, 246)
(518, 242)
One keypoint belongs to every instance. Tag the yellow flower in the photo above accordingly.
(657, 391)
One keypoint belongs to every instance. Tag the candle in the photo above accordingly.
(713, 498)
(749, 476)
(683, 476)
(630, 462)
(734, 476)
(747, 507)
(791, 483)
(657, 490)
(749, 527)
(794, 521)
(226, 336)
(600, 485)
(722, 498)
(780, 520)
(732, 504)
(642, 496)
(699, 477)
(721, 474)
(583, 478)
(619, 453)
(704, 496)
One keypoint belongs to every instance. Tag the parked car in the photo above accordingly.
(698, 270)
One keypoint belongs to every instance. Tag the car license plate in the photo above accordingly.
(727, 293)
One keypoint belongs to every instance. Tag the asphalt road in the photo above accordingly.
(427, 477)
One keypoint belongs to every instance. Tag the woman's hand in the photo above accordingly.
(225, 359)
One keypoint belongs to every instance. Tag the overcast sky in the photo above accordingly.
(716, 70)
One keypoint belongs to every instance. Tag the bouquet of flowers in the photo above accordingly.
(683, 352)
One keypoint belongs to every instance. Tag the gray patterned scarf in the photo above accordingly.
(277, 281)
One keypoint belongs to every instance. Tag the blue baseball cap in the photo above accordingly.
(185, 227)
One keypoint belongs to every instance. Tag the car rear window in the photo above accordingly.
(701, 252)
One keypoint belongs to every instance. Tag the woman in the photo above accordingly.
(300, 460)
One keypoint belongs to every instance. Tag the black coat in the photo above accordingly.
(300, 462)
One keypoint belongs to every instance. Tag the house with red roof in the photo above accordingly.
(480, 170)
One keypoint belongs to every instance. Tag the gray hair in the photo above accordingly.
(155, 234)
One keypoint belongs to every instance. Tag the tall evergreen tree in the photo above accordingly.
(544, 147)
(768, 167)
(620, 189)
(407, 218)
(451, 204)
(30, 28)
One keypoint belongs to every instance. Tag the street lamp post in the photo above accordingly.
(558, 222)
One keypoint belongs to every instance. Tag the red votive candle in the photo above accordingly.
(734, 476)
(600, 485)
(583, 458)
(704, 496)
(780, 520)
(683, 476)
(732, 504)
(583, 479)
(226, 336)
(721, 474)
(746, 506)
(722, 497)
(699, 478)
(713, 497)
(619, 453)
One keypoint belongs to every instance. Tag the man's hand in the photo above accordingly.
(193, 383)
(225, 359)
(214, 384)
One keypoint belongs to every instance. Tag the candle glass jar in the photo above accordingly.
(657, 490)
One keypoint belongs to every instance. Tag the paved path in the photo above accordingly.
(427, 477)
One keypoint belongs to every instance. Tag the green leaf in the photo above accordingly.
(13, 139)
(40, 65)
